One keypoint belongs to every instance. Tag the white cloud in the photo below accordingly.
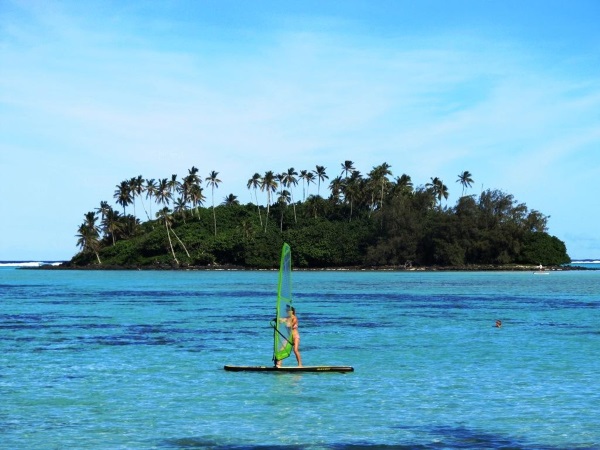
(117, 104)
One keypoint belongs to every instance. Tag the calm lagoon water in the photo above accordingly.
(119, 360)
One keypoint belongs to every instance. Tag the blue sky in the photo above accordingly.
(92, 93)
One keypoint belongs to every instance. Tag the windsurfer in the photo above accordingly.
(292, 322)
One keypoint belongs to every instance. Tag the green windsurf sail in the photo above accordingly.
(282, 334)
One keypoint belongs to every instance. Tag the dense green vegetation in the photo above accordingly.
(367, 220)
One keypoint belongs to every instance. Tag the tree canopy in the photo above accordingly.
(373, 220)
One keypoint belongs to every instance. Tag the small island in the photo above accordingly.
(347, 221)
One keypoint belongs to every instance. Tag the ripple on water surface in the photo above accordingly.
(134, 360)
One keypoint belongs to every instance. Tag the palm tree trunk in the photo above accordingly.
(294, 205)
(98, 256)
(144, 206)
(258, 207)
(213, 205)
(170, 242)
(381, 206)
(268, 204)
(182, 244)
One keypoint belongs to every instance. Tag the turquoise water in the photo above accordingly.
(119, 360)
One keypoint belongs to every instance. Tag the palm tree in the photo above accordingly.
(151, 188)
(133, 193)
(173, 184)
(129, 225)
(213, 182)
(170, 224)
(289, 180)
(371, 188)
(283, 199)
(382, 172)
(193, 177)
(86, 241)
(230, 200)
(433, 186)
(189, 189)
(279, 179)
(166, 216)
(268, 184)
(90, 222)
(438, 189)
(254, 183)
(303, 177)
(82, 237)
(321, 176)
(310, 178)
(377, 183)
(136, 185)
(336, 187)
(123, 194)
(88, 235)
(351, 188)
(112, 224)
(183, 189)
(465, 180)
(163, 192)
(314, 203)
(196, 197)
(103, 209)
(190, 182)
(443, 193)
(404, 184)
(179, 207)
(137, 189)
(180, 241)
(347, 167)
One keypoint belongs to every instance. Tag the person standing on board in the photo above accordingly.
(292, 322)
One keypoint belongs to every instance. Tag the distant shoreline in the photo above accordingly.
(219, 268)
